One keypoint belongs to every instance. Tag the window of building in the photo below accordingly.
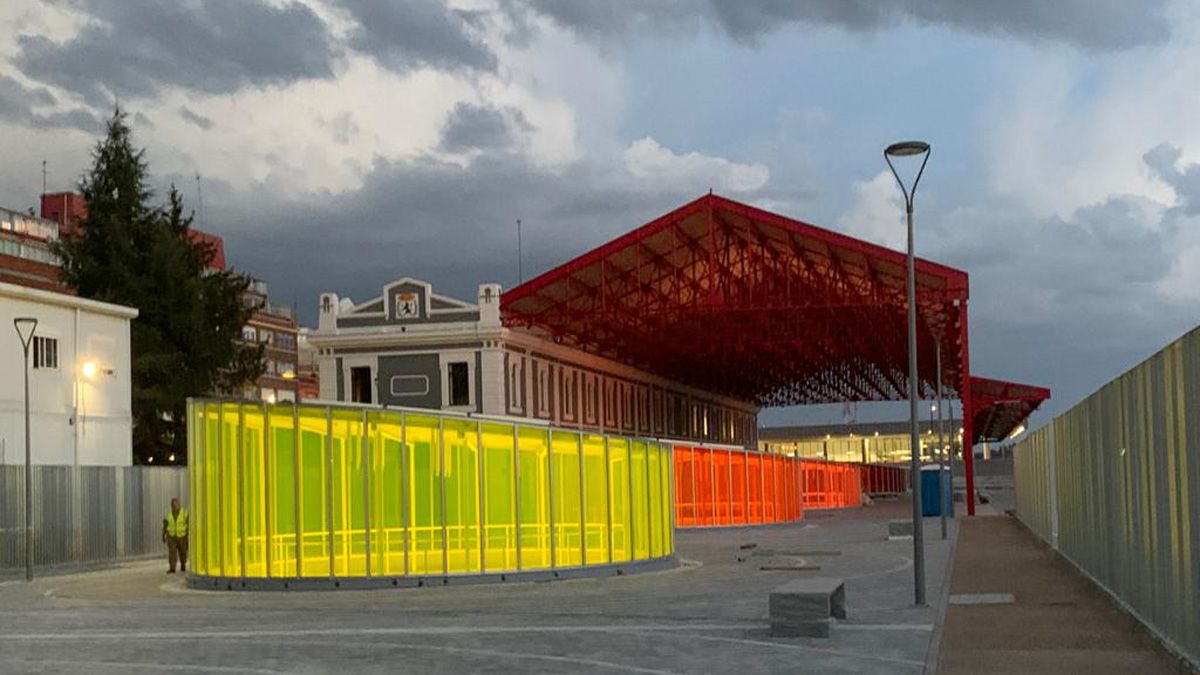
(460, 384)
(249, 334)
(360, 384)
(45, 352)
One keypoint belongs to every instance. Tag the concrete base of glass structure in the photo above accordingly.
(365, 583)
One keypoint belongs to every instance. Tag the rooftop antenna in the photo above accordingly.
(43, 178)
(520, 270)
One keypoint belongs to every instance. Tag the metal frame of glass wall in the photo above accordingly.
(340, 496)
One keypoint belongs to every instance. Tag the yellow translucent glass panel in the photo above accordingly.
(620, 487)
(460, 464)
(500, 497)
(568, 500)
(533, 498)
(595, 493)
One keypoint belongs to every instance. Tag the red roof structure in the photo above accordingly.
(999, 408)
(743, 302)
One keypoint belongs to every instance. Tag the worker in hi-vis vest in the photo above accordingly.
(175, 536)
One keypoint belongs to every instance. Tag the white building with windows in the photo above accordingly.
(79, 380)
(412, 347)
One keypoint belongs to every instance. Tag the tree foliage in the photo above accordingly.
(186, 338)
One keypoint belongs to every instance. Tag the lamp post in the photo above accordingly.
(25, 326)
(899, 150)
(943, 491)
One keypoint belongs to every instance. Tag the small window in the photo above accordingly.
(360, 384)
(249, 334)
(45, 352)
(460, 387)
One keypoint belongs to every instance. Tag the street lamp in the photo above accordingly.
(902, 150)
(25, 326)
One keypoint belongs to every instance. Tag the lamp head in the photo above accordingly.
(25, 326)
(906, 149)
(89, 370)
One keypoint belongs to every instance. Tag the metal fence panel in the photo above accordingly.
(1114, 485)
(86, 514)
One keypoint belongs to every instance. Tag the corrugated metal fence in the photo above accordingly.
(1114, 485)
(86, 514)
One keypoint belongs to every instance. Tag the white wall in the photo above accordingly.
(72, 419)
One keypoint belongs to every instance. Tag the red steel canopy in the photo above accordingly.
(999, 407)
(739, 301)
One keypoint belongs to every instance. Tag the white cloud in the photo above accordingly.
(877, 214)
(648, 161)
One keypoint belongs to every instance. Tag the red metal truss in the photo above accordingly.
(999, 407)
(743, 302)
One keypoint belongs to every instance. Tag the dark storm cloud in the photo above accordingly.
(476, 127)
(416, 33)
(18, 104)
(135, 48)
(1084, 23)
(199, 120)
(452, 225)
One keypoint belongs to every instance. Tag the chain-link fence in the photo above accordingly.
(1114, 485)
(86, 514)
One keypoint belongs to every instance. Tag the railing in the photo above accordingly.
(342, 491)
(86, 514)
(1114, 485)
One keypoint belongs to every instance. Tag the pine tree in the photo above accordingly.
(186, 338)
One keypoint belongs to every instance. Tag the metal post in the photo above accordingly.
(582, 504)
(712, 483)
(329, 486)
(404, 486)
(366, 453)
(221, 487)
(517, 491)
(266, 445)
(550, 481)
(695, 499)
(914, 432)
(240, 481)
(296, 463)
(746, 481)
(608, 497)
(649, 508)
(26, 341)
(442, 493)
(482, 504)
(902, 150)
(943, 490)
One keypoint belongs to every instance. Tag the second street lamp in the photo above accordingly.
(900, 150)
(25, 326)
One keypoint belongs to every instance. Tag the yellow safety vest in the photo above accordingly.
(177, 526)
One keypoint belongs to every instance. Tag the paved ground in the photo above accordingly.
(708, 616)
(1057, 622)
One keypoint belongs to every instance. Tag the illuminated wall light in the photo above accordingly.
(89, 370)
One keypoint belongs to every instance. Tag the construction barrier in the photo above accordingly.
(831, 485)
(879, 479)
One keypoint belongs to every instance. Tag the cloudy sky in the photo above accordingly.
(343, 143)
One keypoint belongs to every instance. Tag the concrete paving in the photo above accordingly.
(710, 615)
(1056, 622)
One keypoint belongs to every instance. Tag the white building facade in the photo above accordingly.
(80, 388)
(412, 347)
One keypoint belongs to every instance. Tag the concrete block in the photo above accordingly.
(900, 528)
(803, 607)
